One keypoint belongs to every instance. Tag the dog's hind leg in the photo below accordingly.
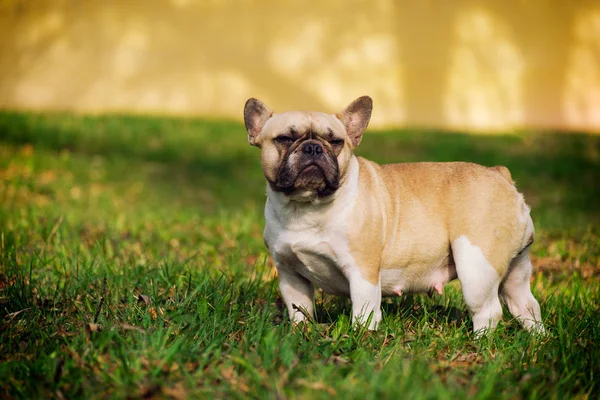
(515, 292)
(366, 301)
(480, 282)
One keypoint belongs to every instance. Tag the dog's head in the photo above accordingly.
(305, 155)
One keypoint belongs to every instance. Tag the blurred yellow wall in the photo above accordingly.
(479, 65)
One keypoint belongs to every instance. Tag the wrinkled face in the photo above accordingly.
(304, 154)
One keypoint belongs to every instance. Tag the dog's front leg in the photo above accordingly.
(297, 294)
(366, 299)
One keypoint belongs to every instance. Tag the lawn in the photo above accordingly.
(132, 265)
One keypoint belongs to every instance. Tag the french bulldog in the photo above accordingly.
(363, 230)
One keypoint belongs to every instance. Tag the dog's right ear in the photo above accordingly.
(356, 118)
(256, 115)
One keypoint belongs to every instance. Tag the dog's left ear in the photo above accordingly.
(256, 115)
(356, 118)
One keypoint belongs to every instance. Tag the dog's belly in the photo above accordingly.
(416, 278)
(315, 260)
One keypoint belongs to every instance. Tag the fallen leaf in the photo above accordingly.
(144, 362)
(14, 314)
(338, 360)
(317, 386)
(142, 298)
(191, 366)
(129, 327)
(176, 392)
(388, 339)
(227, 372)
(93, 327)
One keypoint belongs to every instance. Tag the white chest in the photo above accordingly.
(318, 257)
(310, 239)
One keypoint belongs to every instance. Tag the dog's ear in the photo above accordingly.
(356, 118)
(256, 115)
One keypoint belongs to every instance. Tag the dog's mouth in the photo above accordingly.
(311, 177)
(320, 176)
(312, 170)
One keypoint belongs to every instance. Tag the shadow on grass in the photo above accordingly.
(411, 307)
(558, 172)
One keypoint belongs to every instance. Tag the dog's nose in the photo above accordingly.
(312, 149)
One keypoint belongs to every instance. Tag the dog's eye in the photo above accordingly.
(336, 142)
(284, 139)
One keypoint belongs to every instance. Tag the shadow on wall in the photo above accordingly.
(485, 72)
(463, 64)
(582, 91)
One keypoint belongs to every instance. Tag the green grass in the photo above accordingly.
(132, 265)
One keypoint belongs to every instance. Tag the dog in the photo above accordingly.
(363, 230)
